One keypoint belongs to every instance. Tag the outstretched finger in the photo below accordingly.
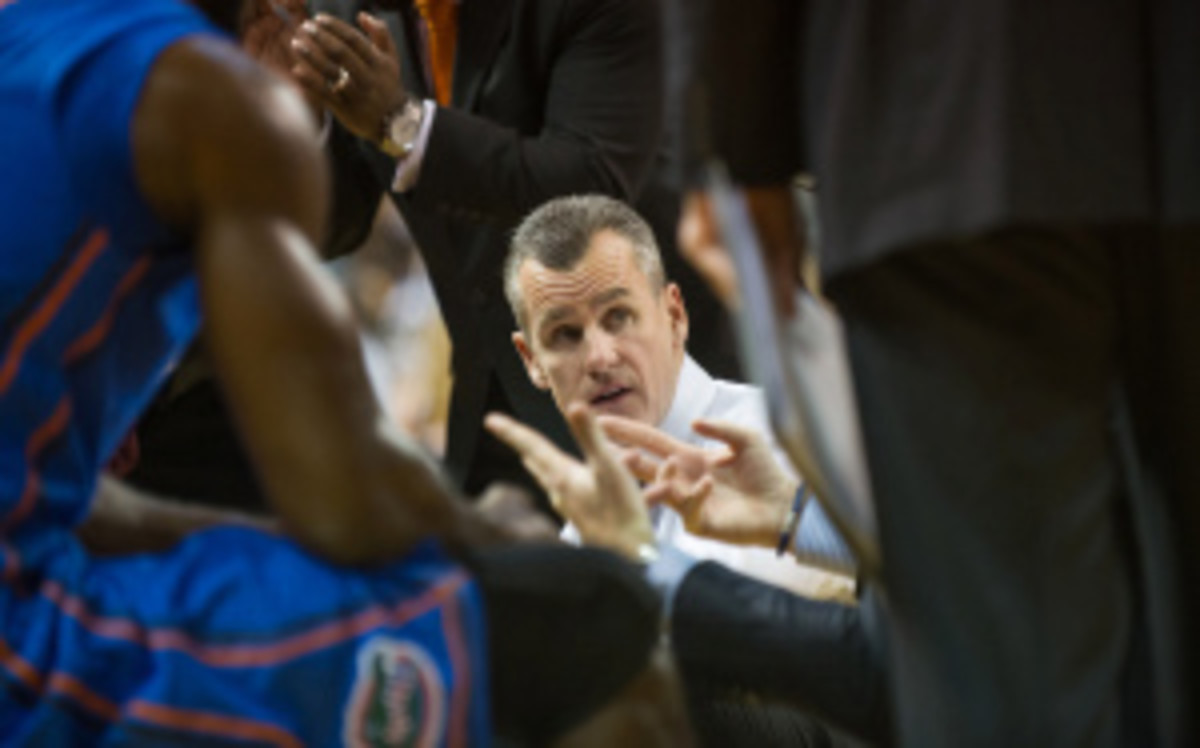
(692, 506)
(320, 37)
(309, 52)
(355, 41)
(664, 486)
(643, 467)
(631, 433)
(679, 495)
(588, 436)
(661, 493)
(698, 492)
(737, 437)
(377, 31)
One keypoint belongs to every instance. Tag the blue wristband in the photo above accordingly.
(792, 521)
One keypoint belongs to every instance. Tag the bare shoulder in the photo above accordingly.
(213, 125)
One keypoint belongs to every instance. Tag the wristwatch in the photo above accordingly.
(400, 129)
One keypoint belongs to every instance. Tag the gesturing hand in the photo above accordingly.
(356, 75)
(599, 496)
(737, 493)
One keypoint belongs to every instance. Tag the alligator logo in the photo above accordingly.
(398, 698)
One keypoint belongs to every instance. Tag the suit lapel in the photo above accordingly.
(482, 26)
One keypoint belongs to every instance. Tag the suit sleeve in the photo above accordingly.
(823, 656)
(602, 124)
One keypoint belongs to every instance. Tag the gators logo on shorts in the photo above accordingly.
(397, 700)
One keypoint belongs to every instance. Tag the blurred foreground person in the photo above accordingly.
(1010, 220)
(163, 173)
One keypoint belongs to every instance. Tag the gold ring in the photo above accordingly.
(343, 80)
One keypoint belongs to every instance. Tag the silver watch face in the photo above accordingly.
(403, 128)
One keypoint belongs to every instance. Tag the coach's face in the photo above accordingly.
(601, 334)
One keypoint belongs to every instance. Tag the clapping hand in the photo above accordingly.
(598, 495)
(737, 493)
(354, 73)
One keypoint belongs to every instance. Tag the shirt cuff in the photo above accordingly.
(665, 574)
(818, 543)
(408, 169)
(570, 534)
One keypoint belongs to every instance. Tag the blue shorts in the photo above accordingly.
(238, 636)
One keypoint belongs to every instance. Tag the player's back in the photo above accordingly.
(96, 295)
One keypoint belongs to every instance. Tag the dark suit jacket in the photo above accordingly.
(932, 121)
(550, 97)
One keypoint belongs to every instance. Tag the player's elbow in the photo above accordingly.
(368, 521)
(345, 540)
(364, 501)
(335, 543)
(326, 511)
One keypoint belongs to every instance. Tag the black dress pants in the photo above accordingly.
(1028, 398)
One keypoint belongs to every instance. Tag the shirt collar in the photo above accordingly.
(694, 392)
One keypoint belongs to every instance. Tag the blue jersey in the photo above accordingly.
(96, 295)
(235, 635)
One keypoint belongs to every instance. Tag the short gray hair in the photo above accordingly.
(558, 233)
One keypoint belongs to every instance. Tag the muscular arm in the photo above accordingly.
(225, 151)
